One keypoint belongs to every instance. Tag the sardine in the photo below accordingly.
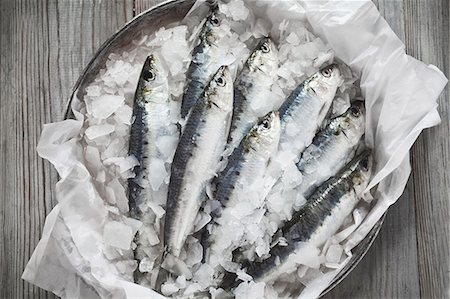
(331, 149)
(305, 109)
(318, 220)
(252, 86)
(151, 114)
(204, 61)
(196, 159)
(301, 116)
(245, 166)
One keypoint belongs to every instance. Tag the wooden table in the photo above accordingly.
(44, 47)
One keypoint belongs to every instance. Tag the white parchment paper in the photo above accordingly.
(400, 94)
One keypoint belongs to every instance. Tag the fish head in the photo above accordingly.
(212, 25)
(325, 82)
(265, 57)
(153, 80)
(353, 120)
(214, 19)
(219, 93)
(363, 165)
(265, 135)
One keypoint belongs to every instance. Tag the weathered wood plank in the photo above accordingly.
(388, 271)
(429, 41)
(143, 5)
(44, 47)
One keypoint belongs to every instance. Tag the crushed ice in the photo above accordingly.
(108, 110)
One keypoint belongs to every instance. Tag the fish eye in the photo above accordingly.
(148, 75)
(326, 72)
(265, 48)
(365, 163)
(266, 124)
(221, 81)
(214, 21)
(355, 111)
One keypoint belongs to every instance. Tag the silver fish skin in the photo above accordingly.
(196, 158)
(245, 166)
(306, 107)
(332, 148)
(151, 113)
(252, 86)
(317, 220)
(204, 61)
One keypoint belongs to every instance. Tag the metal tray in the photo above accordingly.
(147, 23)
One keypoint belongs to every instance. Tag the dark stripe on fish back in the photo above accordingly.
(319, 207)
(195, 84)
(182, 156)
(238, 109)
(290, 103)
(229, 176)
(138, 141)
(192, 94)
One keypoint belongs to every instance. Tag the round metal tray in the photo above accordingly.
(147, 23)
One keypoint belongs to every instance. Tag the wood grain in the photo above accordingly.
(143, 5)
(430, 155)
(44, 47)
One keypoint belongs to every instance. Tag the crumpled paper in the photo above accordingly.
(400, 94)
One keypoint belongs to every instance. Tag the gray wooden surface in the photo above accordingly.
(44, 46)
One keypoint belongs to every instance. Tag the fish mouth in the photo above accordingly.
(366, 160)
(328, 71)
(150, 61)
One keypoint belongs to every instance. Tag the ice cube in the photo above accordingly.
(118, 235)
(334, 253)
(237, 10)
(113, 150)
(92, 156)
(167, 145)
(250, 290)
(96, 131)
(123, 114)
(158, 210)
(293, 39)
(191, 289)
(169, 288)
(176, 266)
(146, 265)
(242, 209)
(157, 173)
(151, 235)
(133, 223)
(194, 253)
(181, 282)
(201, 220)
(204, 275)
(243, 276)
(105, 105)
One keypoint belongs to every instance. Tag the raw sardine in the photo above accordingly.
(204, 61)
(305, 109)
(151, 115)
(196, 159)
(317, 220)
(251, 88)
(332, 148)
(245, 166)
